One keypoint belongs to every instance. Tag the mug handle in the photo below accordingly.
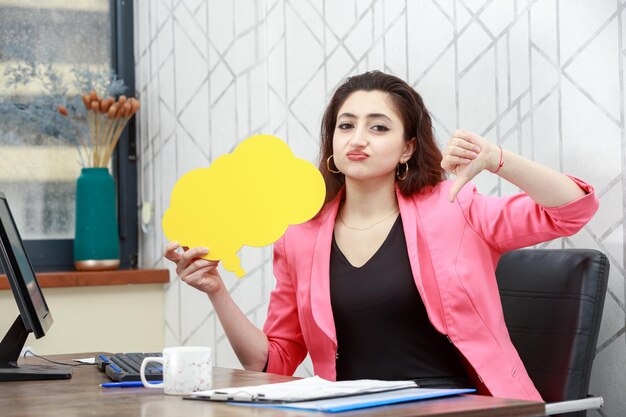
(142, 371)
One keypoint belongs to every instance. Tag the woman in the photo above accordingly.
(394, 278)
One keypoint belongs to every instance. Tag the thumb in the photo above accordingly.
(458, 183)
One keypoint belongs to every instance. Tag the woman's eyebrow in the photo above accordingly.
(378, 116)
(369, 116)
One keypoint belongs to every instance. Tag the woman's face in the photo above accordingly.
(368, 141)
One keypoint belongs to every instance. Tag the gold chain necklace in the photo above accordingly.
(370, 226)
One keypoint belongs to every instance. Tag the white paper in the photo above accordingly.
(90, 361)
(302, 390)
(356, 402)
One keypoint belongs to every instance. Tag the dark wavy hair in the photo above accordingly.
(424, 164)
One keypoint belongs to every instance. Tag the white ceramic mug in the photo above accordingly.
(186, 369)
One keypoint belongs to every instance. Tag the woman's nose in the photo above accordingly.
(359, 137)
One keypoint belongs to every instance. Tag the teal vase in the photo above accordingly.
(96, 242)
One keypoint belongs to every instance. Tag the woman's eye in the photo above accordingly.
(380, 128)
(344, 126)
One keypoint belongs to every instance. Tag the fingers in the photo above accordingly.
(198, 266)
(454, 156)
(188, 257)
(171, 253)
(201, 274)
(466, 156)
(468, 136)
(462, 148)
(183, 260)
(467, 140)
(450, 162)
(193, 253)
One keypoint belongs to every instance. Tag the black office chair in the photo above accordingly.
(553, 301)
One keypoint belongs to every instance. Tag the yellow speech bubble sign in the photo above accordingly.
(248, 197)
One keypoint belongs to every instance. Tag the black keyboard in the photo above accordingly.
(125, 366)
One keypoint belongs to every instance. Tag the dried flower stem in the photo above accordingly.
(107, 119)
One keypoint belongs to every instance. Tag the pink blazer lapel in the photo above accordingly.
(409, 225)
(418, 236)
(321, 307)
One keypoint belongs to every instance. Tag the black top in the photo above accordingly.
(383, 331)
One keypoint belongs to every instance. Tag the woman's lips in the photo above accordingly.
(357, 156)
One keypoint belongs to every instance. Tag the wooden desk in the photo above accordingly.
(82, 396)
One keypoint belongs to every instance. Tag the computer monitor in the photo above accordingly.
(34, 314)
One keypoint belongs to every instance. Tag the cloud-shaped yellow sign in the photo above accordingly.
(248, 197)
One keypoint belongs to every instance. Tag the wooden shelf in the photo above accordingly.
(81, 279)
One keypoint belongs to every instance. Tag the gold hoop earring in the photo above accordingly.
(406, 171)
(329, 168)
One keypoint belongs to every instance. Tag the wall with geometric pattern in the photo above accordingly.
(543, 78)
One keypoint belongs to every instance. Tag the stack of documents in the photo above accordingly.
(318, 394)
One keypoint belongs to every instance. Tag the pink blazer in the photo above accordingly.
(453, 250)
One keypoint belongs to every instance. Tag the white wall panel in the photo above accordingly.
(541, 77)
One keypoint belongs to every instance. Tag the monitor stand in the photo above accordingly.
(10, 349)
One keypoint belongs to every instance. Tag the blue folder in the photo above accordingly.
(355, 402)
